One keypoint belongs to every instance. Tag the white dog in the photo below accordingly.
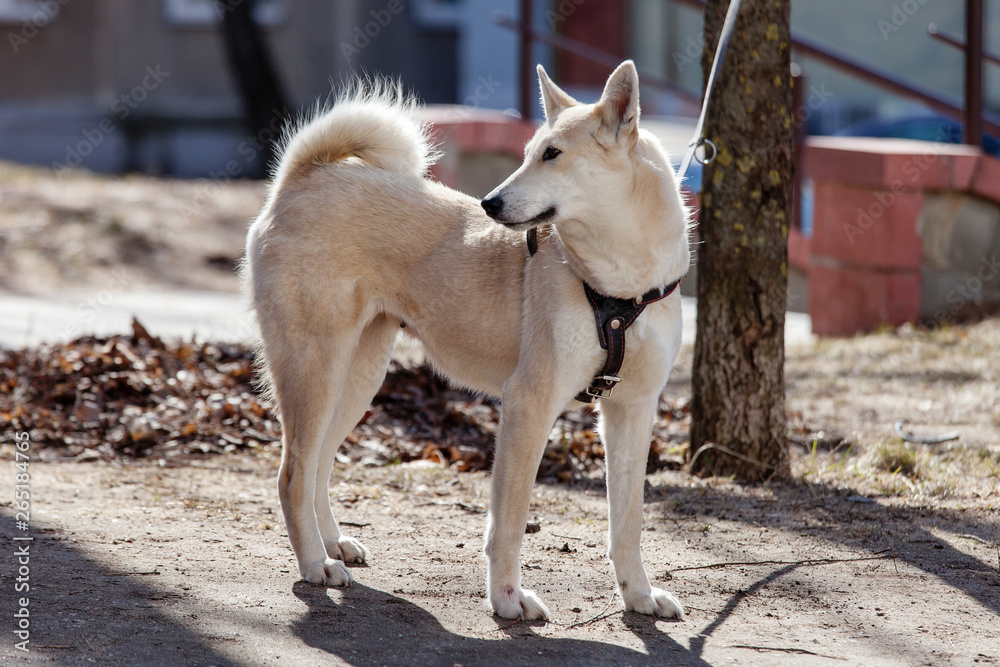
(355, 242)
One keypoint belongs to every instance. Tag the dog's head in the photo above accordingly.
(579, 161)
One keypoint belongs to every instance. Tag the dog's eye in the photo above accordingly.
(551, 153)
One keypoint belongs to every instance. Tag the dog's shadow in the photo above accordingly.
(371, 627)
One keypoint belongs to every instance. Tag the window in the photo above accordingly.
(438, 13)
(37, 13)
(208, 13)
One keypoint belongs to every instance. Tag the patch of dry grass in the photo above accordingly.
(891, 468)
(937, 380)
(896, 458)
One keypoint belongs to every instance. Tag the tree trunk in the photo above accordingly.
(264, 103)
(738, 409)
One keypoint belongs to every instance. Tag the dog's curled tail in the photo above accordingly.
(374, 121)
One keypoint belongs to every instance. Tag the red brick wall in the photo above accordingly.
(866, 252)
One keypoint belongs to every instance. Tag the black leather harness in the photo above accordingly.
(613, 316)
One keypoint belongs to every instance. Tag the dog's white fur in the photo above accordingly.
(355, 240)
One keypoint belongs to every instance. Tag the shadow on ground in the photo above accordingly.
(848, 522)
(370, 627)
(80, 612)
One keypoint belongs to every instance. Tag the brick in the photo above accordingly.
(466, 134)
(845, 301)
(799, 250)
(964, 171)
(830, 161)
(863, 227)
(930, 166)
(491, 137)
(987, 180)
(883, 163)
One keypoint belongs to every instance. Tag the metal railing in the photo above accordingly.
(972, 115)
(951, 40)
(527, 98)
(973, 125)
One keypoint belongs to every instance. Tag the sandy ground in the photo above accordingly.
(137, 563)
(116, 234)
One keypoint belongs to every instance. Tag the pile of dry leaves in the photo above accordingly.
(137, 396)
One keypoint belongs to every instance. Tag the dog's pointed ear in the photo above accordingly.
(554, 98)
(619, 105)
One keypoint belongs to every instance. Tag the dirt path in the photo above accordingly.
(191, 565)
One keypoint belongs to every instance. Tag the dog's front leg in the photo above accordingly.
(626, 429)
(524, 431)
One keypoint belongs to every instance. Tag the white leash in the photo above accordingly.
(697, 141)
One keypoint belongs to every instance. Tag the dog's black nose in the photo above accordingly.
(493, 205)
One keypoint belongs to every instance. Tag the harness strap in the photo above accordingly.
(613, 316)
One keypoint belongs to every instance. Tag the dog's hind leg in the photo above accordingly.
(626, 428)
(308, 376)
(363, 380)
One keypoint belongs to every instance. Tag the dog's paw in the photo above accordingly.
(328, 573)
(657, 602)
(519, 603)
(346, 549)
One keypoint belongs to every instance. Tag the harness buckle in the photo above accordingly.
(602, 392)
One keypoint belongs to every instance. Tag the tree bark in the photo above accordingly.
(738, 422)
